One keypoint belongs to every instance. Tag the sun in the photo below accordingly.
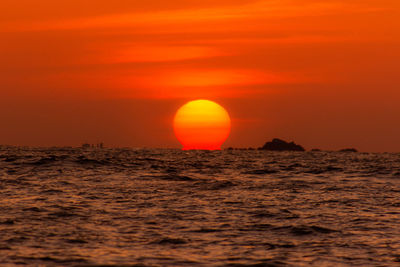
(202, 124)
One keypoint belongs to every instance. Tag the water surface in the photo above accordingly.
(73, 207)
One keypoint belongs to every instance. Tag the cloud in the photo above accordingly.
(177, 15)
(174, 48)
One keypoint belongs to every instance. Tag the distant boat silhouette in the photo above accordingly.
(87, 145)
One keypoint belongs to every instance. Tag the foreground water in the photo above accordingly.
(70, 207)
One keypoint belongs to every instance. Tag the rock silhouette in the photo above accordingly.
(280, 145)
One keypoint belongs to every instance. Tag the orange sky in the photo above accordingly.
(322, 73)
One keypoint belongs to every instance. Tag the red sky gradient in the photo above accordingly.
(323, 73)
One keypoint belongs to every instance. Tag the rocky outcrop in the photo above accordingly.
(280, 145)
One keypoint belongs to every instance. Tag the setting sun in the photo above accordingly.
(202, 124)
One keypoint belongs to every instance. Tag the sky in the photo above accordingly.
(324, 74)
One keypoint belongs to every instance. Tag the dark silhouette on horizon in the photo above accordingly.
(281, 145)
(349, 150)
(88, 146)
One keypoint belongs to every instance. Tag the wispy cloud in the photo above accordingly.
(260, 10)
(180, 48)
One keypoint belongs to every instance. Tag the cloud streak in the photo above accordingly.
(180, 46)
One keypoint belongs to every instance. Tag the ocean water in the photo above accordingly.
(126, 207)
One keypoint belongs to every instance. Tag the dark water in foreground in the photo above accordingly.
(174, 208)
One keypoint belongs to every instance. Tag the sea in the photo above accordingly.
(167, 207)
